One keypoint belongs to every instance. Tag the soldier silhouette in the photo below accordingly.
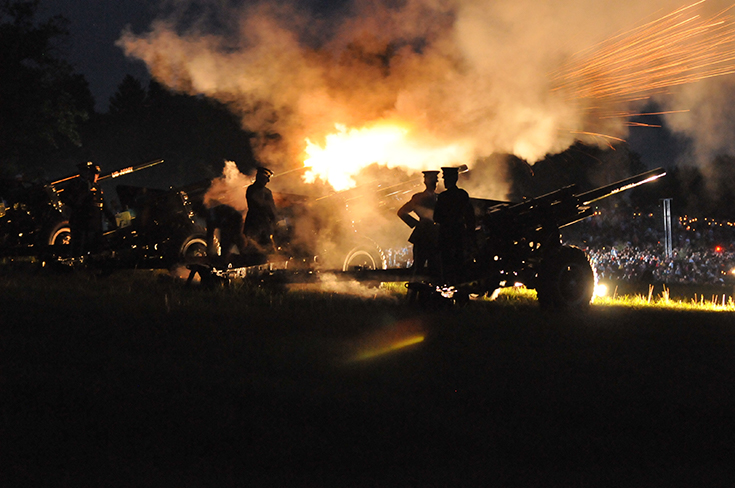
(229, 222)
(261, 217)
(85, 200)
(456, 218)
(425, 234)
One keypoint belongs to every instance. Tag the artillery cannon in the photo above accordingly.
(114, 174)
(521, 243)
(34, 218)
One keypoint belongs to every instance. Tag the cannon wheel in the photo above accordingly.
(364, 255)
(54, 241)
(566, 280)
(185, 248)
(60, 234)
(194, 247)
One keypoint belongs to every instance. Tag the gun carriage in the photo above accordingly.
(521, 243)
(155, 228)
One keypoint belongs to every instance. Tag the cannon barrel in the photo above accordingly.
(131, 169)
(114, 174)
(605, 191)
(558, 208)
(568, 193)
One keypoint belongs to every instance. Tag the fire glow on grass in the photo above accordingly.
(393, 144)
(700, 303)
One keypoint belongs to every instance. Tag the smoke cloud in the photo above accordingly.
(468, 72)
(709, 120)
(481, 77)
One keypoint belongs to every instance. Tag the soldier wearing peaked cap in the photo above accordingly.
(424, 236)
(456, 218)
(261, 217)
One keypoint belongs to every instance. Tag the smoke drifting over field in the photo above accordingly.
(465, 78)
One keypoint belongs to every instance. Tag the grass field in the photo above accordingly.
(136, 380)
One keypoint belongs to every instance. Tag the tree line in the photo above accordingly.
(48, 122)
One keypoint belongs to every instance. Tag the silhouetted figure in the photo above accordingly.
(456, 218)
(261, 217)
(85, 200)
(229, 222)
(425, 234)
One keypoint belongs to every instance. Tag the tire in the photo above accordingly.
(193, 248)
(365, 256)
(59, 234)
(566, 280)
(187, 248)
(54, 241)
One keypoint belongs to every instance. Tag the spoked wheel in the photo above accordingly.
(55, 242)
(364, 256)
(566, 280)
(60, 234)
(194, 249)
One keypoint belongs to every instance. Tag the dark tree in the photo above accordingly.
(129, 99)
(194, 135)
(42, 100)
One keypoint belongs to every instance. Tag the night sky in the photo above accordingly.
(94, 28)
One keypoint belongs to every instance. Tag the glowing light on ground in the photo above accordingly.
(392, 144)
(601, 290)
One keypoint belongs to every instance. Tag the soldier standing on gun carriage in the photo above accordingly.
(425, 234)
(456, 218)
(261, 217)
(85, 200)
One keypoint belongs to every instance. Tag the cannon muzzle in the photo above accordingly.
(622, 185)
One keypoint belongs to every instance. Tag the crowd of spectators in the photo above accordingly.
(627, 245)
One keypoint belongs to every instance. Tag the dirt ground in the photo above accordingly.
(155, 389)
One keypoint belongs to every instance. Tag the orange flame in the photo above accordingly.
(392, 144)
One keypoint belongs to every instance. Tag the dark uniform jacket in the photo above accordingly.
(261, 217)
(422, 204)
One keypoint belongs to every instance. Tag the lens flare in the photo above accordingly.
(394, 346)
(391, 338)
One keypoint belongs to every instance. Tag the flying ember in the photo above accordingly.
(679, 48)
(392, 144)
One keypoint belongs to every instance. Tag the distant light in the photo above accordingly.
(718, 248)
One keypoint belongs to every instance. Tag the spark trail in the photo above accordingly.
(679, 48)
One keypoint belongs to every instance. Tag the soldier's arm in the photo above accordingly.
(405, 214)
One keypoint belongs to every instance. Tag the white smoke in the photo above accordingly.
(229, 189)
(329, 283)
(472, 73)
(709, 120)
